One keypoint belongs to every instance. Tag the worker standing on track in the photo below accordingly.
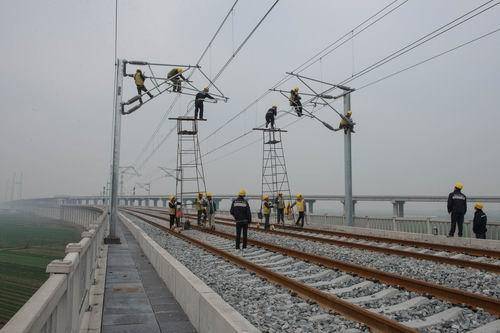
(266, 210)
(198, 102)
(301, 208)
(280, 206)
(271, 115)
(457, 207)
(479, 222)
(211, 208)
(295, 101)
(175, 75)
(240, 210)
(172, 211)
(139, 82)
(199, 205)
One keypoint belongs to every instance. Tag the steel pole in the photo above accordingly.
(348, 205)
(115, 172)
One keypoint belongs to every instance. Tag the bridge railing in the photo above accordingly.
(61, 303)
(424, 225)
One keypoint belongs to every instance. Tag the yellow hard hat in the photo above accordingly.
(242, 192)
(209, 194)
(459, 185)
(349, 113)
(479, 205)
(170, 197)
(296, 89)
(180, 69)
(265, 196)
(299, 195)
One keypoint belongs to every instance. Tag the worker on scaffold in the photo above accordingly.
(240, 210)
(346, 124)
(175, 75)
(200, 205)
(271, 115)
(266, 210)
(301, 208)
(139, 82)
(295, 101)
(198, 102)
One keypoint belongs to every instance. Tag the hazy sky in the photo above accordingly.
(417, 133)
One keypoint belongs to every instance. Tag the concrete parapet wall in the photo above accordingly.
(62, 303)
(206, 310)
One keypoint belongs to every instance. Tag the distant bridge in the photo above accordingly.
(398, 201)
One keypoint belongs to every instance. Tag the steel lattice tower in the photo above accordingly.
(190, 176)
(274, 173)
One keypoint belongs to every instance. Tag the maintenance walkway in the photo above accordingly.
(136, 299)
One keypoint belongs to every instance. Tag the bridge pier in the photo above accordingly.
(310, 205)
(164, 202)
(398, 208)
(354, 202)
(217, 203)
(155, 202)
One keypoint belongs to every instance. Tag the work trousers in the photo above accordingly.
(266, 221)
(241, 226)
(481, 236)
(210, 219)
(457, 219)
(198, 217)
(173, 221)
(281, 215)
(198, 109)
(301, 219)
(143, 88)
(298, 107)
(176, 84)
(270, 120)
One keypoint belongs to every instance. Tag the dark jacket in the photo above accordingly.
(201, 96)
(271, 113)
(294, 98)
(479, 223)
(457, 203)
(240, 210)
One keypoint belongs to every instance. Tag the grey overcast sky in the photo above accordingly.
(417, 132)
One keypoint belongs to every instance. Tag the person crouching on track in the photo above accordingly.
(240, 210)
(271, 115)
(198, 102)
(280, 207)
(457, 207)
(479, 222)
(211, 208)
(301, 208)
(172, 211)
(266, 210)
(139, 83)
(199, 204)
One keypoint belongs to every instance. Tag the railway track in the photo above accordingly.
(453, 255)
(268, 255)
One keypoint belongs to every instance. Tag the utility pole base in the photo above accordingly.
(112, 240)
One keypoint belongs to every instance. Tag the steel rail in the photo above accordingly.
(380, 248)
(375, 321)
(469, 299)
(377, 248)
